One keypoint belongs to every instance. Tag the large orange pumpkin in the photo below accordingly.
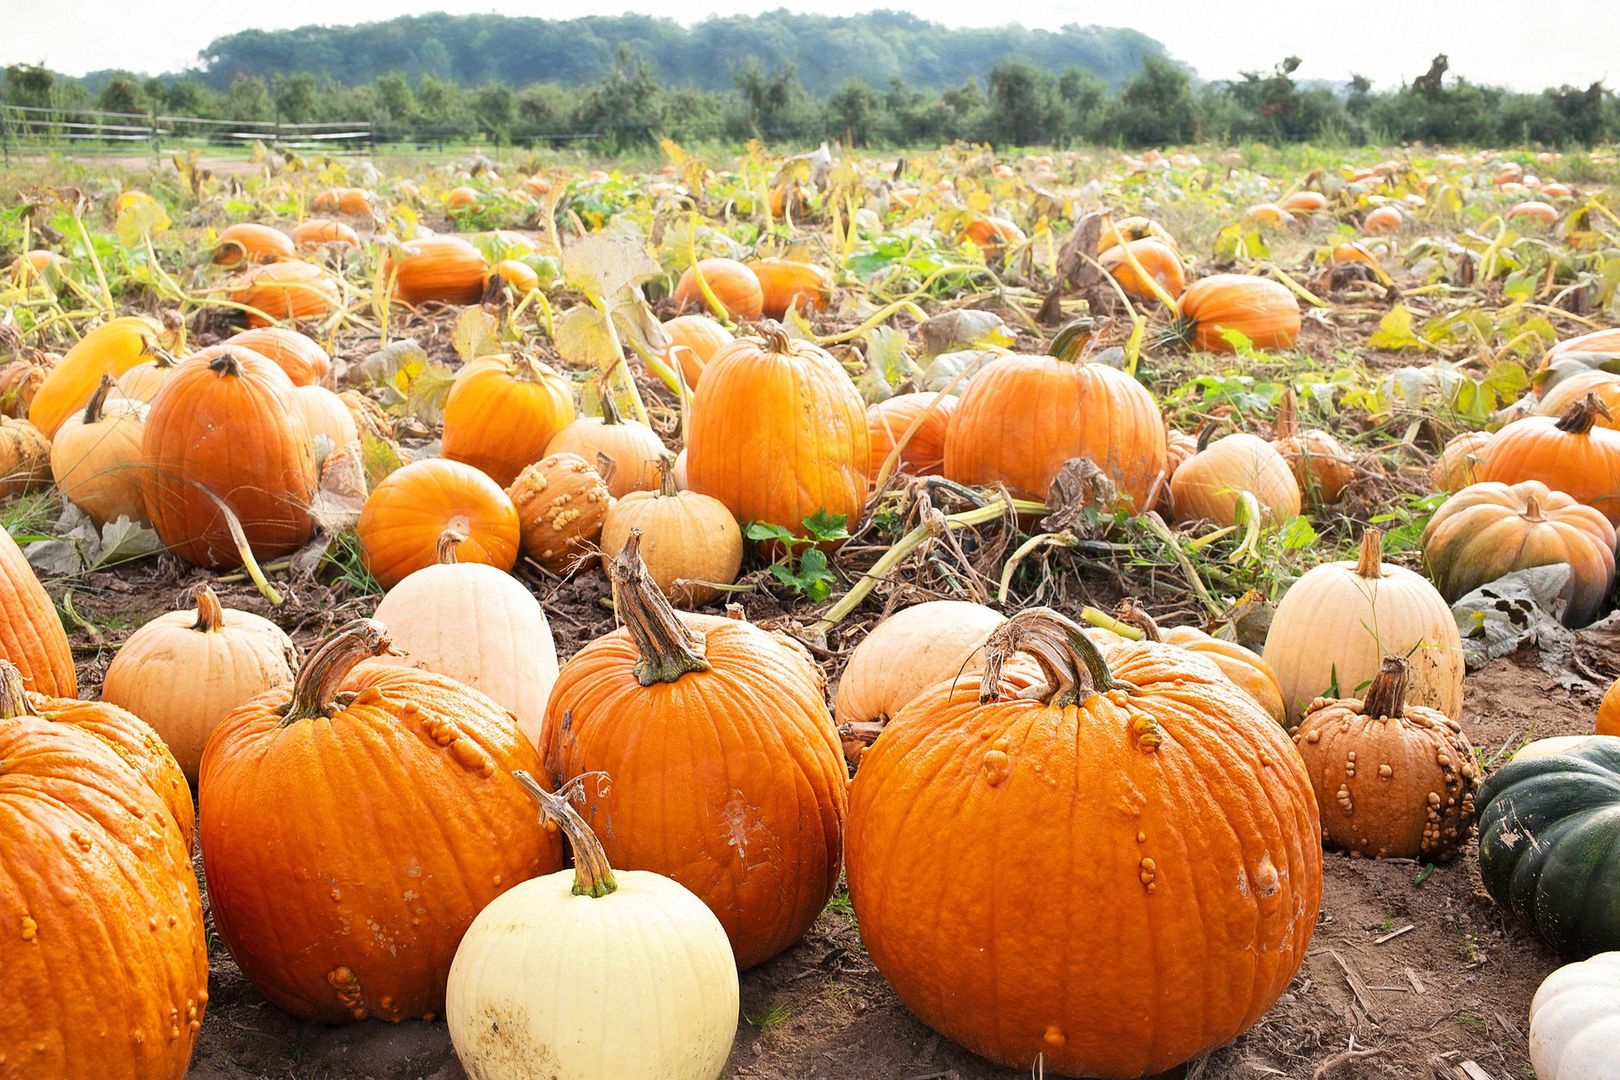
(246, 242)
(104, 952)
(785, 283)
(1569, 454)
(1022, 417)
(693, 341)
(287, 290)
(1158, 259)
(353, 826)
(303, 360)
(778, 432)
(1161, 832)
(921, 420)
(502, 412)
(224, 427)
(412, 507)
(726, 770)
(732, 283)
(1262, 310)
(31, 634)
(443, 268)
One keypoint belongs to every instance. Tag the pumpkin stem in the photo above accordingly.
(1532, 509)
(610, 411)
(776, 336)
(1073, 667)
(1370, 564)
(1068, 342)
(13, 694)
(315, 691)
(593, 876)
(98, 400)
(1386, 697)
(449, 540)
(1287, 416)
(668, 650)
(226, 363)
(1206, 434)
(210, 615)
(666, 475)
(1581, 415)
(1131, 613)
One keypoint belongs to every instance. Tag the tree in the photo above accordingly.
(295, 97)
(1023, 105)
(851, 111)
(29, 84)
(1155, 106)
(394, 97)
(122, 94)
(772, 101)
(493, 107)
(248, 99)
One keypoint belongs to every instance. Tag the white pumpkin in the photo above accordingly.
(477, 624)
(325, 414)
(910, 651)
(1554, 744)
(594, 974)
(96, 457)
(1575, 1021)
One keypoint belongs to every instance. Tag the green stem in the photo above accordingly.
(593, 876)
(667, 649)
(315, 691)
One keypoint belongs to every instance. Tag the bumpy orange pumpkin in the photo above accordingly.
(1569, 454)
(246, 242)
(921, 420)
(732, 283)
(1197, 823)
(442, 268)
(778, 432)
(1158, 259)
(562, 505)
(726, 771)
(315, 803)
(693, 341)
(412, 507)
(502, 412)
(1262, 310)
(785, 283)
(287, 290)
(304, 361)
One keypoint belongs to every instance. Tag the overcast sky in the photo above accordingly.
(1508, 42)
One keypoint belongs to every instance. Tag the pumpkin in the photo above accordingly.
(110, 349)
(520, 276)
(246, 242)
(142, 382)
(326, 416)
(1246, 670)
(1458, 463)
(1569, 454)
(1567, 391)
(446, 269)
(778, 432)
(1260, 309)
(1384, 219)
(652, 983)
(1021, 418)
(1132, 228)
(1213, 483)
(477, 624)
(319, 232)
(1549, 838)
(461, 198)
(407, 513)
(96, 457)
(31, 634)
(1487, 530)
(1534, 210)
(1588, 350)
(1352, 252)
(1556, 191)
(690, 542)
(1166, 776)
(1322, 465)
(348, 200)
(626, 452)
(1608, 714)
(287, 290)
(25, 457)
(1575, 1021)
(1338, 621)
(785, 284)
(726, 771)
(185, 671)
(502, 412)
(1158, 259)
(315, 802)
(298, 355)
(1303, 202)
(45, 267)
(1269, 214)
(95, 879)
(224, 429)
(20, 380)
(693, 341)
(562, 504)
(1392, 780)
(920, 422)
(732, 283)
(992, 234)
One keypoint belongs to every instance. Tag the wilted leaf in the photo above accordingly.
(585, 339)
(953, 331)
(604, 266)
(1395, 331)
(887, 364)
(477, 334)
(143, 217)
(124, 541)
(384, 367)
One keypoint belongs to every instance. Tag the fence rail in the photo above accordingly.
(31, 128)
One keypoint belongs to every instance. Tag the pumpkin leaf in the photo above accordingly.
(603, 266)
(585, 338)
(145, 217)
(823, 527)
(952, 370)
(1395, 331)
(477, 334)
(887, 364)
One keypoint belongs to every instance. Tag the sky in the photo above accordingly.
(1507, 42)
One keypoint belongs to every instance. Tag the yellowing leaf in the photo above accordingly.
(586, 339)
(477, 334)
(602, 266)
(1395, 331)
(143, 217)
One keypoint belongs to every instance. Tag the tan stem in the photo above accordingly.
(1131, 613)
(1287, 416)
(666, 475)
(226, 363)
(1532, 509)
(1370, 564)
(610, 411)
(315, 691)
(210, 615)
(593, 876)
(776, 336)
(1071, 664)
(13, 693)
(668, 650)
(1386, 697)
(1581, 415)
(445, 551)
(98, 400)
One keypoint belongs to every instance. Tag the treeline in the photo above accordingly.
(1016, 103)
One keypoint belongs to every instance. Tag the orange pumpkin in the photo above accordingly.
(778, 432)
(1535, 210)
(520, 276)
(626, 452)
(1608, 714)
(1133, 228)
(461, 198)
(1567, 391)
(246, 242)
(502, 412)
(318, 232)
(1569, 454)
(349, 200)
(921, 420)
(1247, 669)
(224, 428)
(315, 802)
(1262, 310)
(785, 284)
(1382, 220)
(443, 268)
(1269, 214)
(992, 234)
(287, 290)
(20, 380)
(720, 746)
(1322, 465)
(693, 341)
(1211, 485)
(1158, 259)
(732, 283)
(412, 507)
(31, 634)
(1303, 202)
(562, 505)
(1022, 417)
(1458, 463)
(298, 355)
(1197, 822)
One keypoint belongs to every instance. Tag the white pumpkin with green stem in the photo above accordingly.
(593, 974)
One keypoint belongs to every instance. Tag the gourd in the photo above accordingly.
(1575, 1021)
(110, 349)
(690, 542)
(651, 981)
(502, 412)
(732, 283)
(31, 634)
(407, 513)
(1264, 311)
(632, 449)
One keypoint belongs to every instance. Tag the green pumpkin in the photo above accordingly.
(1549, 844)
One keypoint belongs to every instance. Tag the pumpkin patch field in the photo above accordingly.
(972, 615)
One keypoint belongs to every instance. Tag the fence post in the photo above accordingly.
(5, 131)
(157, 140)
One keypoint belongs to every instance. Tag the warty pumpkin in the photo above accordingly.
(31, 634)
(446, 269)
(407, 513)
(20, 380)
(1338, 621)
(1490, 529)
(690, 542)
(185, 671)
(787, 284)
(287, 290)
(1021, 418)
(95, 878)
(626, 452)
(246, 242)
(298, 355)
(562, 504)
(25, 457)
(319, 232)
(732, 283)
(477, 624)
(726, 771)
(224, 427)
(1213, 483)
(1575, 1020)
(1158, 259)
(1130, 959)
(1322, 465)
(778, 432)
(1569, 454)
(693, 341)
(110, 349)
(1392, 780)
(502, 412)
(1458, 463)
(96, 458)
(1264, 311)
(918, 423)
(315, 804)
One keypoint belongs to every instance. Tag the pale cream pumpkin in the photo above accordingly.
(96, 457)
(1244, 668)
(1575, 1021)
(185, 671)
(143, 381)
(479, 625)
(631, 449)
(1336, 624)
(687, 538)
(326, 414)
(593, 973)
(1212, 483)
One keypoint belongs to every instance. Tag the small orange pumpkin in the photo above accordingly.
(627, 452)
(502, 412)
(785, 283)
(298, 355)
(693, 341)
(1569, 454)
(1158, 259)
(287, 290)
(1458, 463)
(1382, 220)
(562, 505)
(1262, 310)
(319, 232)
(1303, 202)
(922, 420)
(520, 276)
(246, 242)
(733, 284)
(411, 508)
(1568, 391)
(349, 200)
(443, 268)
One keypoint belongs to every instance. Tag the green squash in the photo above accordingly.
(1549, 844)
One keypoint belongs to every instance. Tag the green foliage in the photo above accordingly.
(802, 567)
